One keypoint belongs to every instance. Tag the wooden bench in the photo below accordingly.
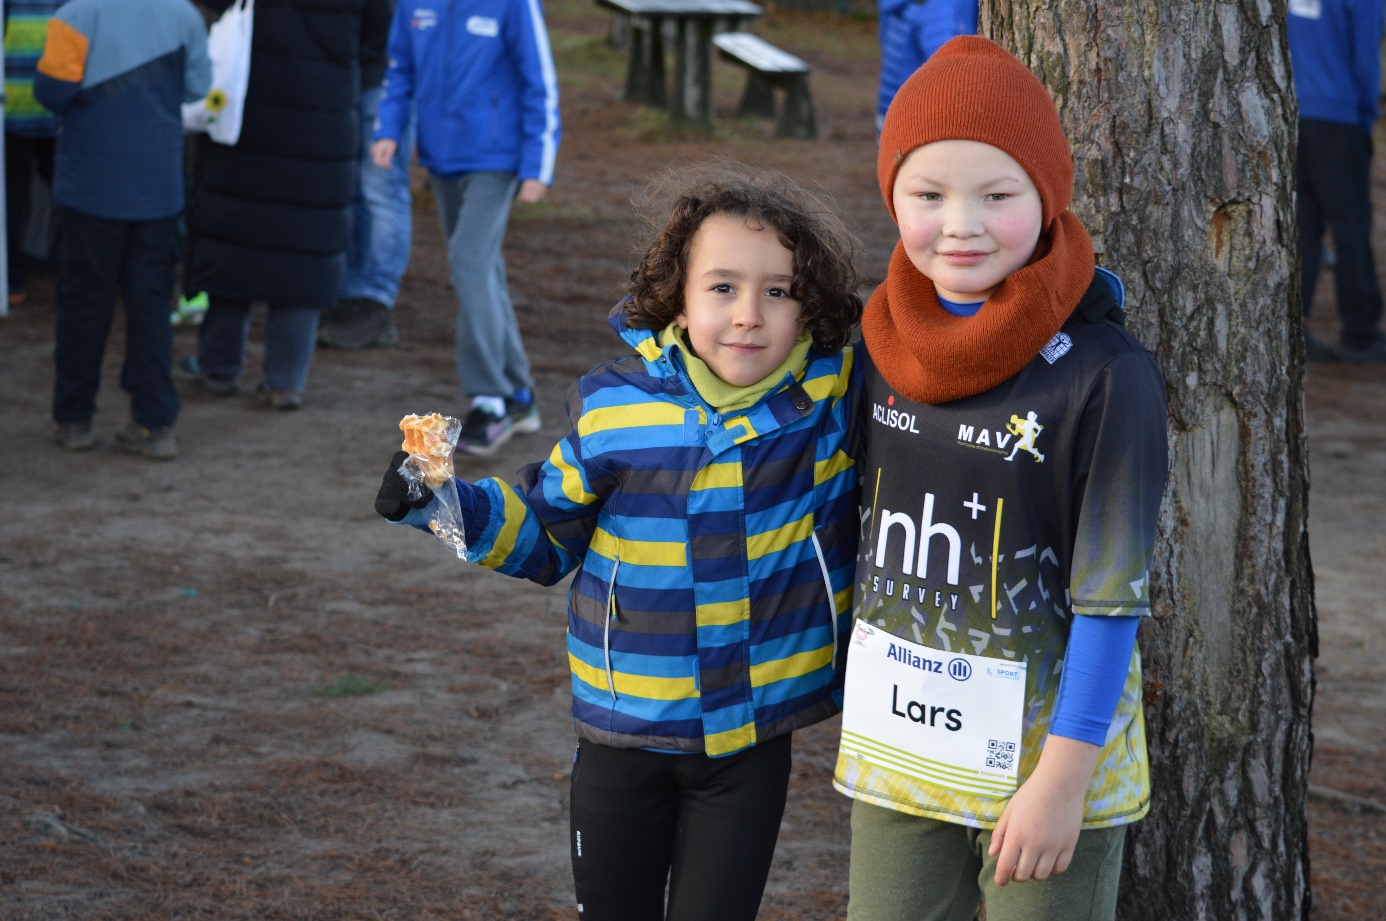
(767, 68)
(692, 24)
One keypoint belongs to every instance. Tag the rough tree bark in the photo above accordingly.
(1182, 119)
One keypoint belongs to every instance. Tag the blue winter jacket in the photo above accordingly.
(480, 75)
(910, 32)
(714, 554)
(1334, 51)
(117, 72)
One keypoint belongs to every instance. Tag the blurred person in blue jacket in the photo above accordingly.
(910, 32)
(480, 78)
(117, 73)
(1335, 53)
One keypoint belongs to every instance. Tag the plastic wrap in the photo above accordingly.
(430, 441)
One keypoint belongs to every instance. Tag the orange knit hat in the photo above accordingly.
(972, 89)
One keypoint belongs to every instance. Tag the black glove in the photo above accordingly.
(393, 502)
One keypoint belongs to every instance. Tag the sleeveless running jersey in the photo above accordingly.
(989, 521)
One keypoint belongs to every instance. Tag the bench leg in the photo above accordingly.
(796, 121)
(692, 102)
(758, 98)
(645, 69)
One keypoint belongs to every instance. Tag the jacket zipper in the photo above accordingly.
(606, 632)
(832, 599)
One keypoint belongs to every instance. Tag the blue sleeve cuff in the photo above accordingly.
(473, 503)
(1095, 668)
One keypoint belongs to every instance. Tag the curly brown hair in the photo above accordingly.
(678, 201)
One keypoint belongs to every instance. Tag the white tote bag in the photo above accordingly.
(228, 45)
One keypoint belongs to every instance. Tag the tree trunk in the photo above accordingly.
(1182, 120)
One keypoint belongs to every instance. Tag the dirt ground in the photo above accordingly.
(229, 691)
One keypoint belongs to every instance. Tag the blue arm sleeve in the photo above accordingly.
(197, 66)
(1095, 667)
(1366, 24)
(474, 504)
(396, 104)
(539, 121)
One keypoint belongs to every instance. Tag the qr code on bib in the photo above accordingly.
(1000, 755)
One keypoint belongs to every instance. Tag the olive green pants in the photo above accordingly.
(908, 868)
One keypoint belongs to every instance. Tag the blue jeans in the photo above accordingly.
(98, 259)
(290, 339)
(475, 209)
(381, 219)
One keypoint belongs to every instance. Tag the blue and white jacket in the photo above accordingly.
(714, 554)
(480, 75)
(117, 73)
(1335, 54)
(911, 31)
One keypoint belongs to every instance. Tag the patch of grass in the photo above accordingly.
(349, 685)
(587, 54)
(553, 212)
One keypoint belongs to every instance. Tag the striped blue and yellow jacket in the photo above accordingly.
(714, 554)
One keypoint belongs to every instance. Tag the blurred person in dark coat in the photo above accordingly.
(270, 217)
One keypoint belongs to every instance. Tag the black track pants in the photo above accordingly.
(707, 826)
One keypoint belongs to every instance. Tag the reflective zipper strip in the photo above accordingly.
(832, 598)
(606, 632)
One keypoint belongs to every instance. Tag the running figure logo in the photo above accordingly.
(1028, 430)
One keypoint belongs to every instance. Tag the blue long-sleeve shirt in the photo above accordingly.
(117, 73)
(1334, 51)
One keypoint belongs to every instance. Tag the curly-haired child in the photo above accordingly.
(706, 496)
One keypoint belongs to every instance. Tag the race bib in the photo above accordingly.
(947, 718)
(1307, 9)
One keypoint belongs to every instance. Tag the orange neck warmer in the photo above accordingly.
(932, 356)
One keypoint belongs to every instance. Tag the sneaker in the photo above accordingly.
(188, 369)
(524, 415)
(484, 430)
(358, 323)
(281, 399)
(75, 436)
(190, 310)
(156, 445)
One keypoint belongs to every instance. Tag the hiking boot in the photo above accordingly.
(358, 323)
(281, 399)
(484, 430)
(75, 436)
(156, 445)
(189, 369)
(523, 414)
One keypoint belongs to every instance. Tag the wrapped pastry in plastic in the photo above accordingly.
(430, 441)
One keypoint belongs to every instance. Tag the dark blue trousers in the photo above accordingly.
(1333, 178)
(99, 259)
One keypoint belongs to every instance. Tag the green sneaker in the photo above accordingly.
(190, 310)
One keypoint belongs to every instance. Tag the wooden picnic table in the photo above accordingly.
(694, 22)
